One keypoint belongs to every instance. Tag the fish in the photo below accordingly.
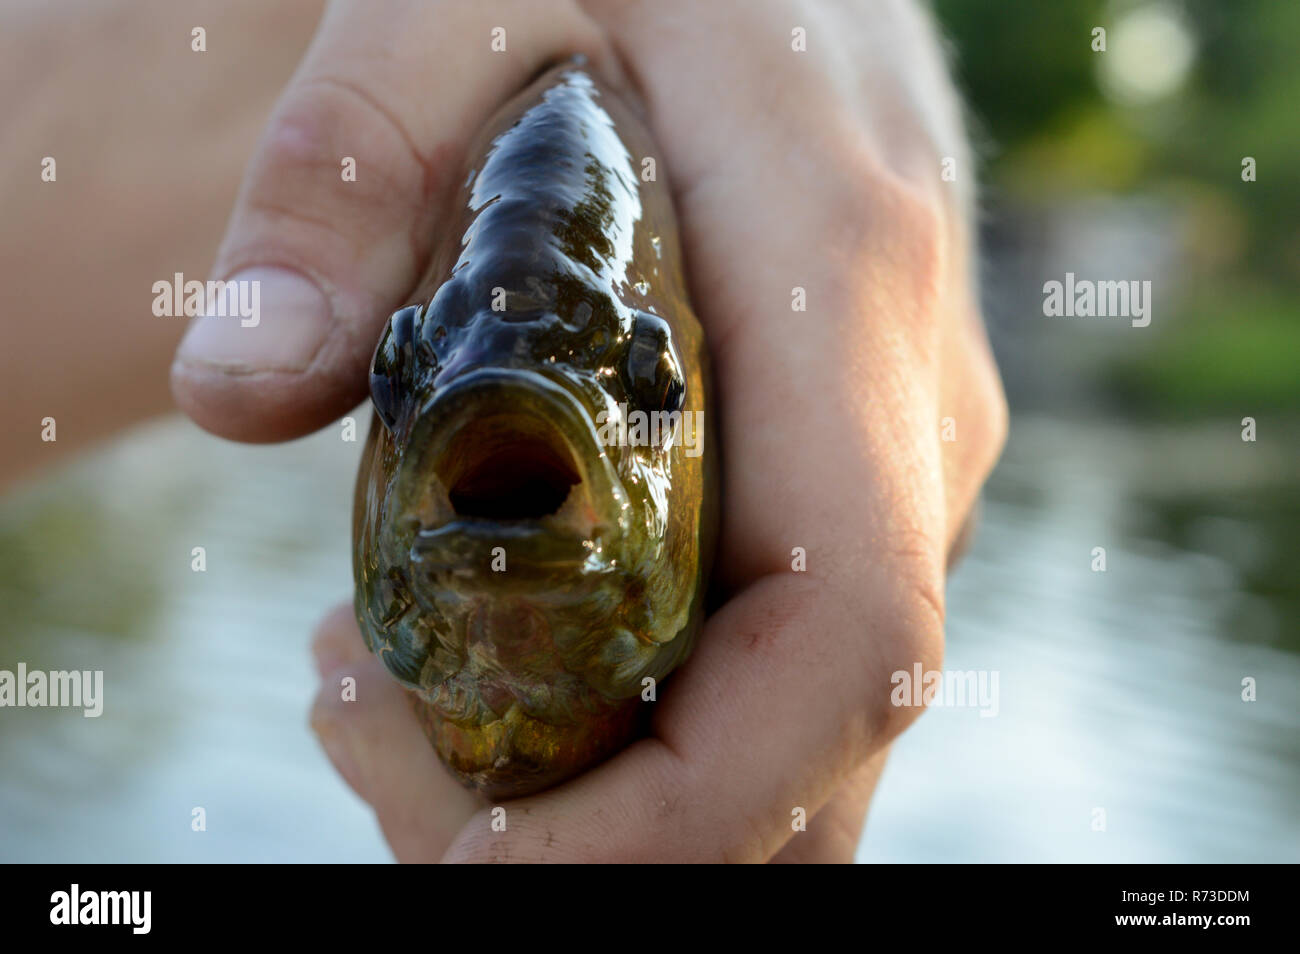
(536, 506)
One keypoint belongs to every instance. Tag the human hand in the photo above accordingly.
(817, 170)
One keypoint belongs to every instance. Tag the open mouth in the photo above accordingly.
(507, 467)
(509, 459)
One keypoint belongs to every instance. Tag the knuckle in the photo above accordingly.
(997, 417)
(985, 417)
(920, 612)
(891, 245)
(912, 626)
(890, 216)
(304, 206)
(321, 123)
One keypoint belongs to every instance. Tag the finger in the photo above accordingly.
(965, 536)
(337, 642)
(834, 832)
(365, 724)
(402, 94)
(972, 419)
(751, 728)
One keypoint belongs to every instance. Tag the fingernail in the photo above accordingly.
(273, 319)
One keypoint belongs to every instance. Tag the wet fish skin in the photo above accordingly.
(561, 295)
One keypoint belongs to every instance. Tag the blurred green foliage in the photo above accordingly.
(57, 566)
(1022, 65)
(1048, 131)
(1235, 348)
(1270, 571)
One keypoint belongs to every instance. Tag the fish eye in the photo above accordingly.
(391, 366)
(652, 373)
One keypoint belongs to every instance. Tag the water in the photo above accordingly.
(208, 676)
(1119, 691)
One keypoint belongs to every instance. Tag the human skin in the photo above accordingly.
(816, 169)
(150, 140)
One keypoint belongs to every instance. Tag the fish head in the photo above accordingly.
(529, 519)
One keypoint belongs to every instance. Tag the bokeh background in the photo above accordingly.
(1119, 690)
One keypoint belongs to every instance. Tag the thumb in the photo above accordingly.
(343, 199)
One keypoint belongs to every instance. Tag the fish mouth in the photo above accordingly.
(512, 486)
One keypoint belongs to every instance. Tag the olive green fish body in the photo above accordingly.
(534, 511)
